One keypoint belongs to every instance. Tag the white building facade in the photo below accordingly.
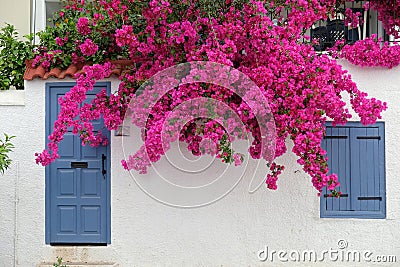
(265, 228)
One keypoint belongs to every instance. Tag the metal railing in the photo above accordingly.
(337, 28)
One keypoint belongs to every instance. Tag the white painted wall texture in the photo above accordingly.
(229, 232)
(18, 13)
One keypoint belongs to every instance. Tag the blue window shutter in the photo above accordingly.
(356, 154)
(367, 176)
(337, 145)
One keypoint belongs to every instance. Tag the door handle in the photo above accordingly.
(103, 169)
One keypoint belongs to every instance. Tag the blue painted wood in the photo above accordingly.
(366, 173)
(358, 165)
(327, 146)
(77, 199)
(338, 154)
(359, 162)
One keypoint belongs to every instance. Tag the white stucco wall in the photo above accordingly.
(229, 232)
(18, 13)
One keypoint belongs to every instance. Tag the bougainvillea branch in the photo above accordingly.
(301, 88)
(370, 52)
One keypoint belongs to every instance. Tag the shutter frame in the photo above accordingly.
(366, 195)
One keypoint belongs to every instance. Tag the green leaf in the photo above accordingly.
(5, 148)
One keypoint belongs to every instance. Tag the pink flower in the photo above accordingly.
(125, 36)
(76, 59)
(59, 41)
(46, 64)
(83, 26)
(302, 88)
(353, 19)
(88, 48)
(238, 159)
(96, 18)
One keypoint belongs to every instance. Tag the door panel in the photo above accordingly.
(78, 183)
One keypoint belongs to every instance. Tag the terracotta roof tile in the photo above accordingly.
(120, 67)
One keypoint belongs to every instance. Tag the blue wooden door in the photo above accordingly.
(78, 183)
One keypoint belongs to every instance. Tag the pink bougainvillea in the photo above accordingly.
(370, 52)
(88, 48)
(353, 19)
(388, 13)
(302, 88)
(83, 26)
